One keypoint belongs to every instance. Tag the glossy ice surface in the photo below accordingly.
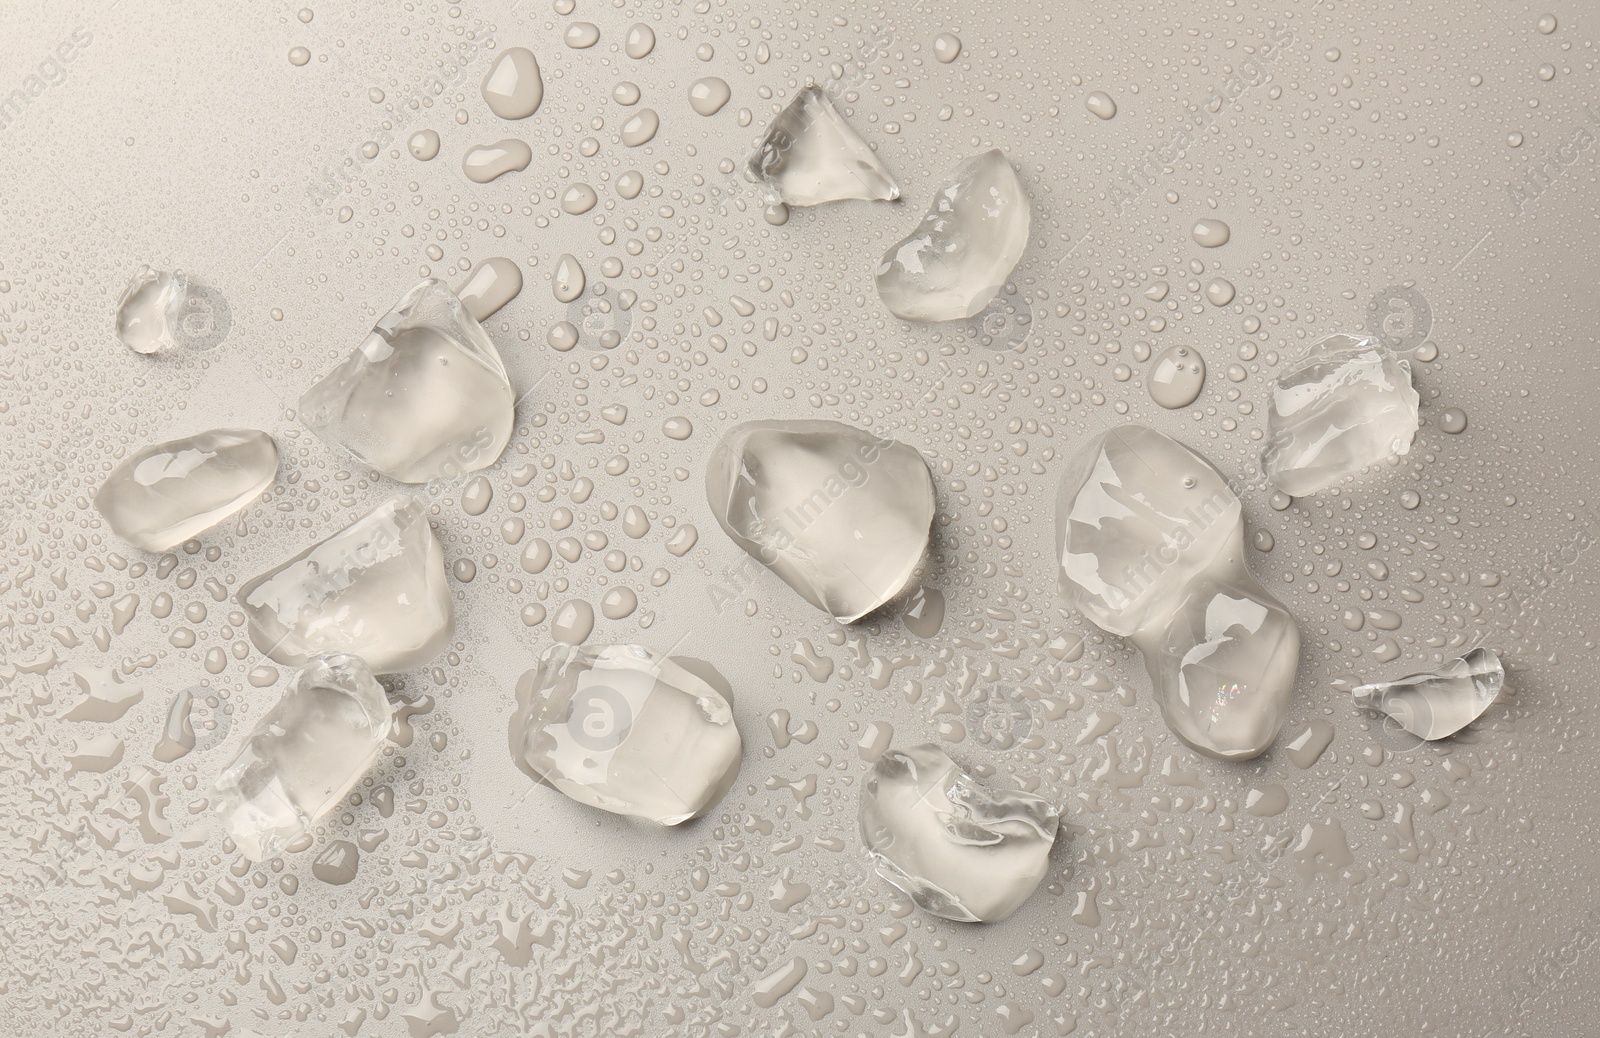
(626, 730)
(840, 514)
(166, 493)
(304, 755)
(1439, 703)
(424, 396)
(810, 155)
(965, 248)
(377, 589)
(961, 849)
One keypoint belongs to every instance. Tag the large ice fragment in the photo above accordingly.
(1439, 704)
(959, 849)
(625, 730)
(164, 494)
(1348, 403)
(960, 255)
(811, 155)
(841, 515)
(150, 308)
(304, 755)
(424, 396)
(376, 588)
(1150, 541)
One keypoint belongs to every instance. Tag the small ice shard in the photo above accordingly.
(424, 396)
(626, 730)
(1150, 541)
(841, 515)
(513, 87)
(167, 493)
(377, 589)
(810, 155)
(966, 246)
(1347, 404)
(304, 755)
(959, 849)
(150, 308)
(1439, 704)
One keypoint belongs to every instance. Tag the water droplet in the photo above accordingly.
(1219, 292)
(492, 284)
(581, 35)
(946, 47)
(1547, 24)
(1101, 104)
(677, 428)
(299, 55)
(708, 95)
(578, 199)
(485, 162)
(641, 40)
(568, 280)
(573, 622)
(1178, 375)
(1211, 233)
(1453, 420)
(640, 127)
(513, 87)
(424, 145)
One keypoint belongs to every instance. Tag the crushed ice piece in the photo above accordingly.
(960, 849)
(424, 396)
(960, 255)
(167, 493)
(626, 730)
(150, 308)
(376, 588)
(1347, 404)
(840, 514)
(1150, 541)
(1439, 704)
(304, 755)
(810, 155)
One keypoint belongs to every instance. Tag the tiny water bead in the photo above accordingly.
(1546, 24)
(1453, 420)
(299, 56)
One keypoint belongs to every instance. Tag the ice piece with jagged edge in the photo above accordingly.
(1439, 704)
(168, 493)
(424, 396)
(304, 755)
(840, 514)
(626, 730)
(960, 849)
(1150, 543)
(960, 255)
(150, 308)
(376, 589)
(810, 155)
(1347, 404)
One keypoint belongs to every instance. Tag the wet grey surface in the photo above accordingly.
(1424, 173)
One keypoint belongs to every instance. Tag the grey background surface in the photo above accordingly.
(1381, 154)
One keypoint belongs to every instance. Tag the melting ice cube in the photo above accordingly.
(1440, 704)
(149, 310)
(810, 155)
(164, 494)
(840, 514)
(1347, 404)
(304, 755)
(959, 849)
(376, 589)
(1151, 545)
(966, 246)
(625, 730)
(426, 394)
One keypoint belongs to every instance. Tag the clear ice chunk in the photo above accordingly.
(376, 589)
(626, 730)
(424, 396)
(166, 493)
(304, 755)
(1439, 704)
(810, 155)
(1348, 403)
(959, 256)
(841, 515)
(960, 849)
(1150, 540)
(150, 308)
